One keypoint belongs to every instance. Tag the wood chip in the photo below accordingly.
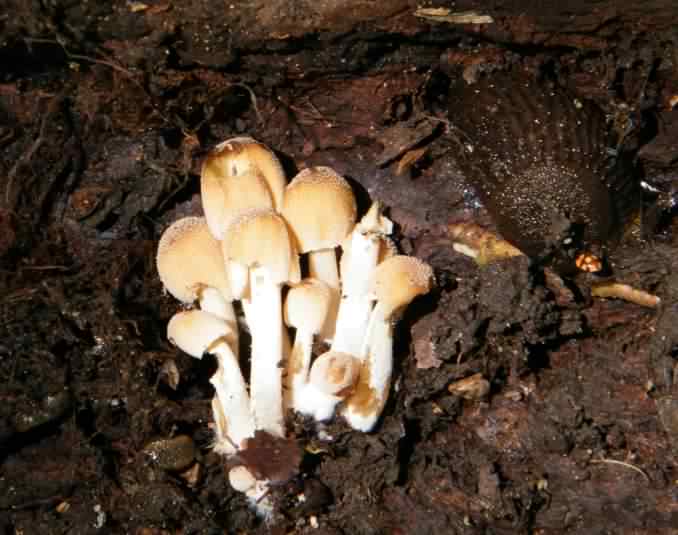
(473, 388)
(442, 14)
(409, 159)
(136, 7)
(169, 374)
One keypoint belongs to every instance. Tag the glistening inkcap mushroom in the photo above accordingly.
(197, 332)
(260, 241)
(332, 379)
(363, 249)
(306, 307)
(238, 175)
(396, 282)
(191, 268)
(320, 208)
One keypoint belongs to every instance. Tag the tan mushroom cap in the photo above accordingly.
(196, 331)
(189, 259)
(307, 305)
(225, 197)
(335, 373)
(258, 155)
(260, 238)
(320, 208)
(398, 280)
(246, 156)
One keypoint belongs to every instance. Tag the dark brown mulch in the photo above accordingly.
(106, 110)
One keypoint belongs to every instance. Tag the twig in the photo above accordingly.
(442, 14)
(253, 98)
(446, 122)
(35, 504)
(18, 295)
(82, 57)
(105, 62)
(28, 155)
(45, 268)
(622, 463)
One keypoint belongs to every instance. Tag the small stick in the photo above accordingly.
(32, 150)
(622, 463)
(253, 98)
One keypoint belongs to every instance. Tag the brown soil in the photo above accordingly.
(106, 109)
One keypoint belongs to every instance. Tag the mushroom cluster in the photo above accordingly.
(295, 256)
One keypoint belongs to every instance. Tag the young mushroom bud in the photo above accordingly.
(366, 246)
(332, 379)
(242, 480)
(239, 175)
(259, 240)
(191, 267)
(396, 282)
(197, 332)
(306, 307)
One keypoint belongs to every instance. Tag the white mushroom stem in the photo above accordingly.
(197, 332)
(239, 278)
(223, 445)
(212, 301)
(260, 241)
(233, 402)
(361, 256)
(300, 360)
(306, 308)
(362, 410)
(266, 324)
(331, 380)
(356, 304)
(322, 265)
(396, 281)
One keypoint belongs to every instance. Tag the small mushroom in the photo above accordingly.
(396, 282)
(306, 307)
(191, 267)
(332, 379)
(242, 480)
(197, 332)
(260, 241)
(362, 252)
